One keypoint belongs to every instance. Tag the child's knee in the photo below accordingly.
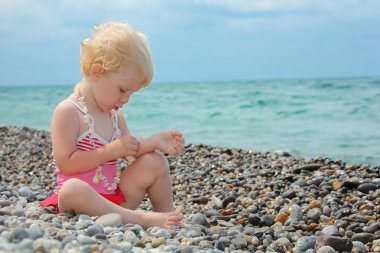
(155, 158)
(72, 187)
(157, 161)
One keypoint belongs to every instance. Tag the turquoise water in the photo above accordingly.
(336, 118)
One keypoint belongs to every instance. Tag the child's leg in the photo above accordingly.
(79, 197)
(148, 174)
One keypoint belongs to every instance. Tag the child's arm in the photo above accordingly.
(170, 142)
(65, 129)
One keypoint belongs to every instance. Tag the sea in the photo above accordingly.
(337, 118)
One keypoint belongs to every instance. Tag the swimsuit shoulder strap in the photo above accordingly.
(75, 105)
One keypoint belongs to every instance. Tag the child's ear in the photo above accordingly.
(96, 71)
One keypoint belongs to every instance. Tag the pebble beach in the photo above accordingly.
(233, 200)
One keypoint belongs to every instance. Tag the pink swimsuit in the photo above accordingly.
(108, 169)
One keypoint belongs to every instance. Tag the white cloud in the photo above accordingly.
(21, 19)
(370, 6)
(37, 19)
(285, 14)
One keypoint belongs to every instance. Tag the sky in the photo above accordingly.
(197, 40)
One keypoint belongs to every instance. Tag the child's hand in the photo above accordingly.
(126, 145)
(170, 142)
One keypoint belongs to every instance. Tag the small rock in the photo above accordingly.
(110, 220)
(359, 247)
(367, 187)
(296, 212)
(26, 192)
(228, 200)
(94, 230)
(363, 237)
(266, 220)
(239, 242)
(338, 243)
(282, 242)
(326, 249)
(199, 218)
(314, 214)
(158, 241)
(289, 194)
(186, 249)
(254, 219)
(201, 200)
(129, 236)
(47, 245)
(304, 243)
(18, 234)
(330, 230)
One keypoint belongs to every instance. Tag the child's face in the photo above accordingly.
(114, 89)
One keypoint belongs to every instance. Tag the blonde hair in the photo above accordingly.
(117, 44)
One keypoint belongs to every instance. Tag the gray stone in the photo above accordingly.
(337, 243)
(266, 220)
(363, 237)
(186, 249)
(130, 236)
(18, 234)
(289, 194)
(359, 246)
(83, 239)
(84, 217)
(281, 242)
(367, 187)
(326, 249)
(296, 212)
(110, 220)
(47, 245)
(226, 201)
(199, 218)
(239, 242)
(18, 211)
(156, 242)
(314, 214)
(35, 232)
(160, 232)
(330, 230)
(94, 230)
(304, 243)
(26, 192)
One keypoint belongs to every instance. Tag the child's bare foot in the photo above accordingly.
(170, 142)
(163, 220)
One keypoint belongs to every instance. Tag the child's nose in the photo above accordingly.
(125, 98)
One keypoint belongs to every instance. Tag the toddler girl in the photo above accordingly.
(90, 134)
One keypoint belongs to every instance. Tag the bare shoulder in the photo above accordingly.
(65, 127)
(65, 107)
(65, 117)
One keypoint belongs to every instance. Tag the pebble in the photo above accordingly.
(94, 230)
(239, 242)
(358, 247)
(200, 219)
(26, 192)
(304, 243)
(326, 249)
(337, 243)
(363, 237)
(233, 200)
(110, 220)
(330, 230)
(130, 236)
